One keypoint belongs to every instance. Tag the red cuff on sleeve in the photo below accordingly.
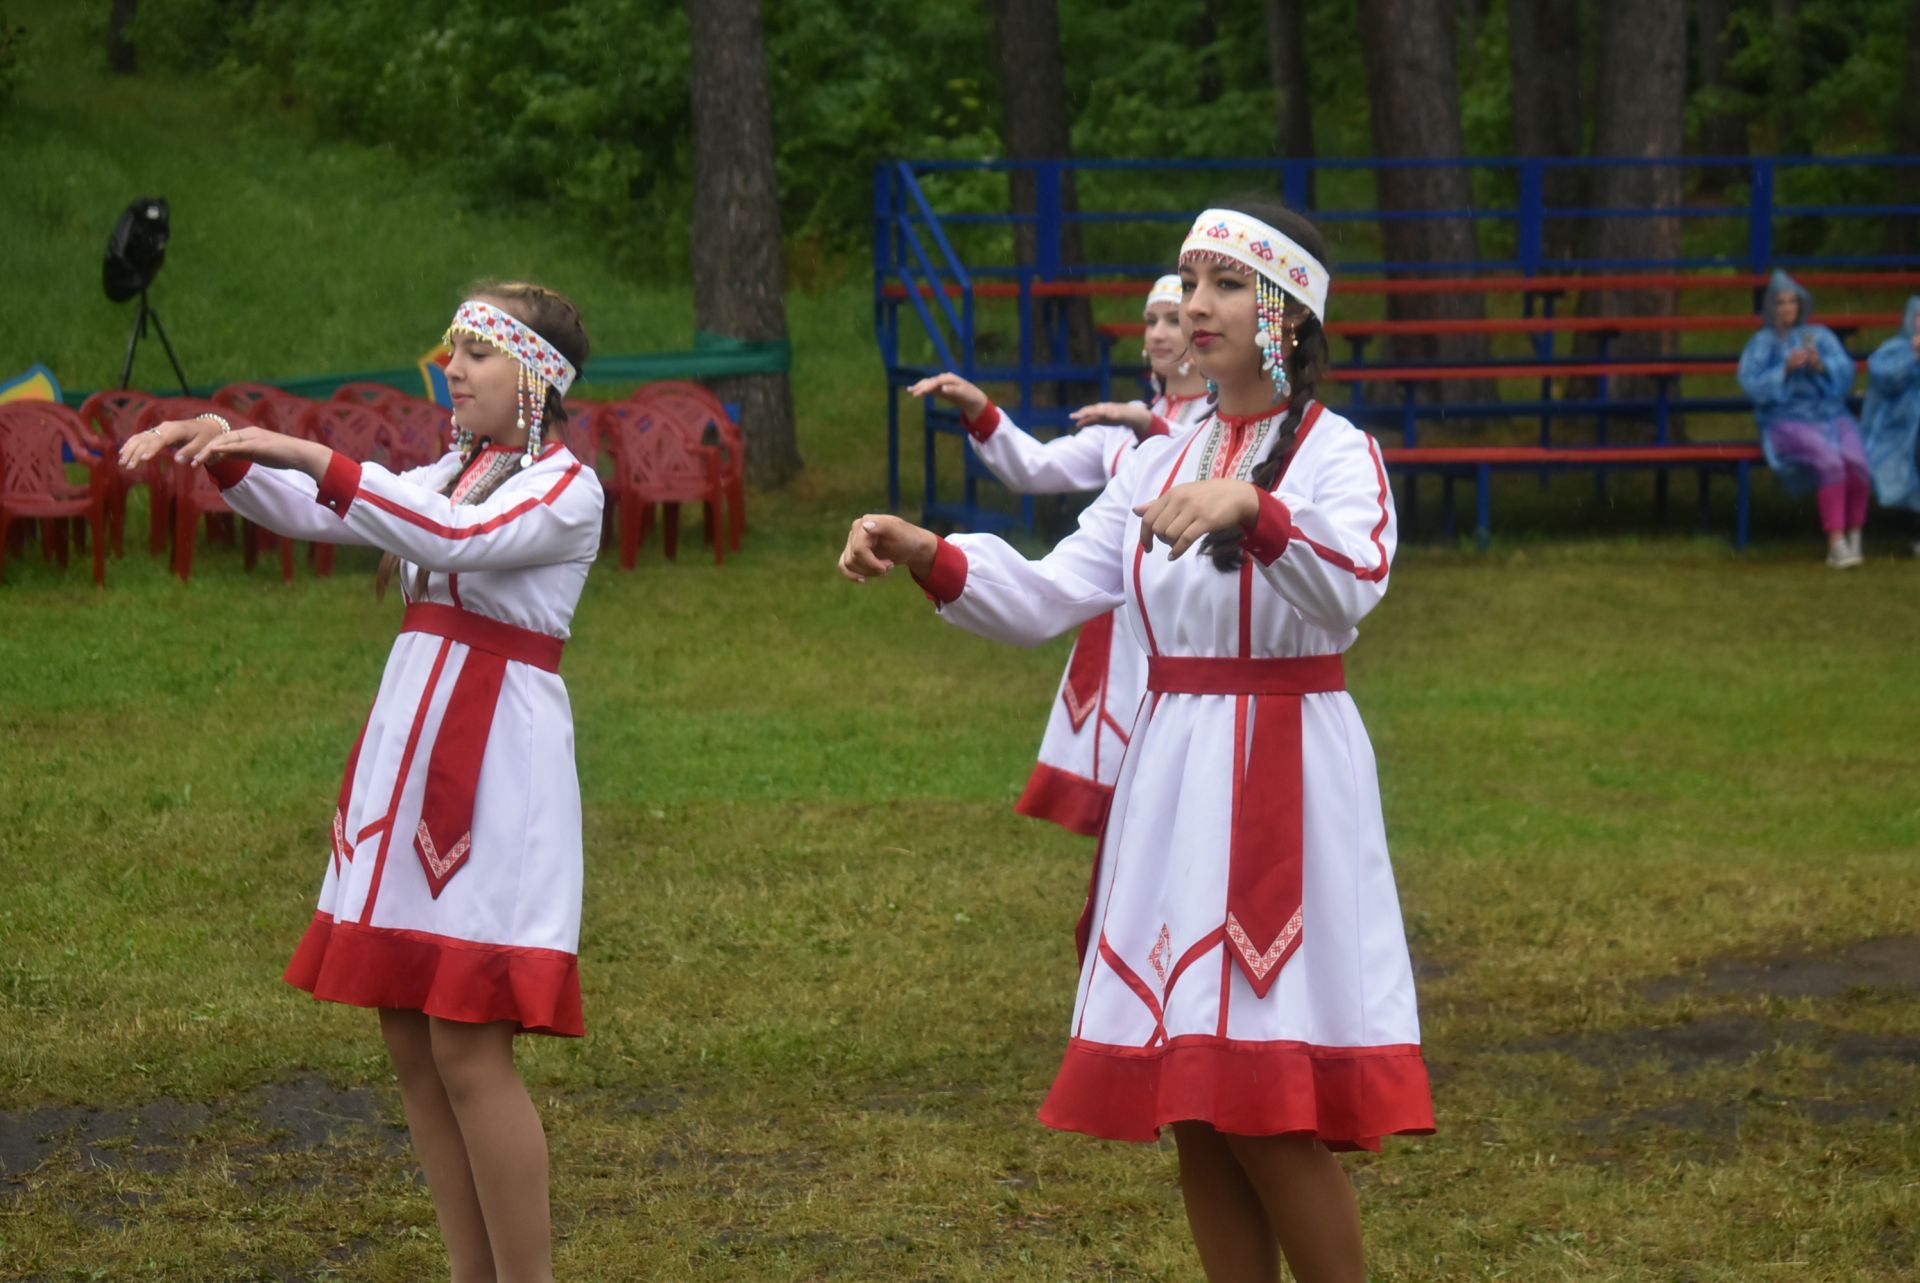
(1267, 538)
(227, 471)
(948, 578)
(1158, 428)
(340, 485)
(982, 428)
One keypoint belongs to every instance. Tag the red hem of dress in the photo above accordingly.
(1074, 802)
(537, 989)
(1346, 1097)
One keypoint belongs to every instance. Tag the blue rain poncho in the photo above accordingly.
(1890, 421)
(1805, 395)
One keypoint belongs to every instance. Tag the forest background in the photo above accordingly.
(585, 105)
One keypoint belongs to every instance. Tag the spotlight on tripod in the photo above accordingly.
(135, 252)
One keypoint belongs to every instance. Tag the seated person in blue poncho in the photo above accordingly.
(1798, 376)
(1890, 421)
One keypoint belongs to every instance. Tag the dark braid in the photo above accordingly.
(1305, 365)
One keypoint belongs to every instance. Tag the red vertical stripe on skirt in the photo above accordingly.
(444, 837)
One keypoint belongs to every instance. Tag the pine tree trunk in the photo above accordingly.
(1292, 90)
(122, 58)
(1642, 113)
(1722, 133)
(1903, 237)
(738, 273)
(1543, 38)
(1033, 105)
(1408, 47)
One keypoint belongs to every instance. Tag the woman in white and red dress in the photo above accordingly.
(451, 899)
(1245, 976)
(1100, 692)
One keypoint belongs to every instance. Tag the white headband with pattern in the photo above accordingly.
(1234, 237)
(502, 329)
(1165, 290)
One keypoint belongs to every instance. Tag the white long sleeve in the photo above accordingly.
(547, 514)
(1080, 461)
(1339, 528)
(1007, 597)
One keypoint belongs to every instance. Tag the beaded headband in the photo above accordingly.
(1233, 237)
(1165, 290)
(541, 365)
(510, 334)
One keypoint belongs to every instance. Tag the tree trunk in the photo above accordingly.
(1549, 113)
(1642, 113)
(738, 274)
(1789, 108)
(1722, 133)
(1902, 235)
(1033, 105)
(121, 56)
(1416, 113)
(1292, 89)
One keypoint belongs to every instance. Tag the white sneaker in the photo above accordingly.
(1841, 556)
(1853, 542)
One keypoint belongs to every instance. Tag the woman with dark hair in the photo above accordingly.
(451, 901)
(1245, 977)
(1092, 717)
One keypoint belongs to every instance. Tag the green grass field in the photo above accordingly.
(1653, 810)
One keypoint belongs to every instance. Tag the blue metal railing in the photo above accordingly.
(918, 249)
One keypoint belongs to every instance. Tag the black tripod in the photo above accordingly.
(140, 319)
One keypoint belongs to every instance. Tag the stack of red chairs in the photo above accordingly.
(35, 439)
(185, 494)
(419, 432)
(692, 407)
(355, 430)
(658, 458)
(370, 395)
(113, 416)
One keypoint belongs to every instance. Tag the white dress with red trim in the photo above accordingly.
(1243, 958)
(454, 882)
(1092, 712)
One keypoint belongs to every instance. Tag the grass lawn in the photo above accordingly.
(1653, 808)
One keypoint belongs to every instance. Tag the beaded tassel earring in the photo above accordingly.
(1271, 337)
(533, 408)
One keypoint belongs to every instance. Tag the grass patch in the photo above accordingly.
(828, 971)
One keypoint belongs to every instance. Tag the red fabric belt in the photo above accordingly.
(1267, 858)
(508, 641)
(1186, 675)
(443, 839)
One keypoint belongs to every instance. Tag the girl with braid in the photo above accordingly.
(451, 899)
(1244, 973)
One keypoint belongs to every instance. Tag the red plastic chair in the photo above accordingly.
(275, 409)
(370, 395)
(191, 494)
(687, 402)
(419, 431)
(582, 434)
(113, 416)
(656, 464)
(161, 523)
(34, 485)
(356, 431)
